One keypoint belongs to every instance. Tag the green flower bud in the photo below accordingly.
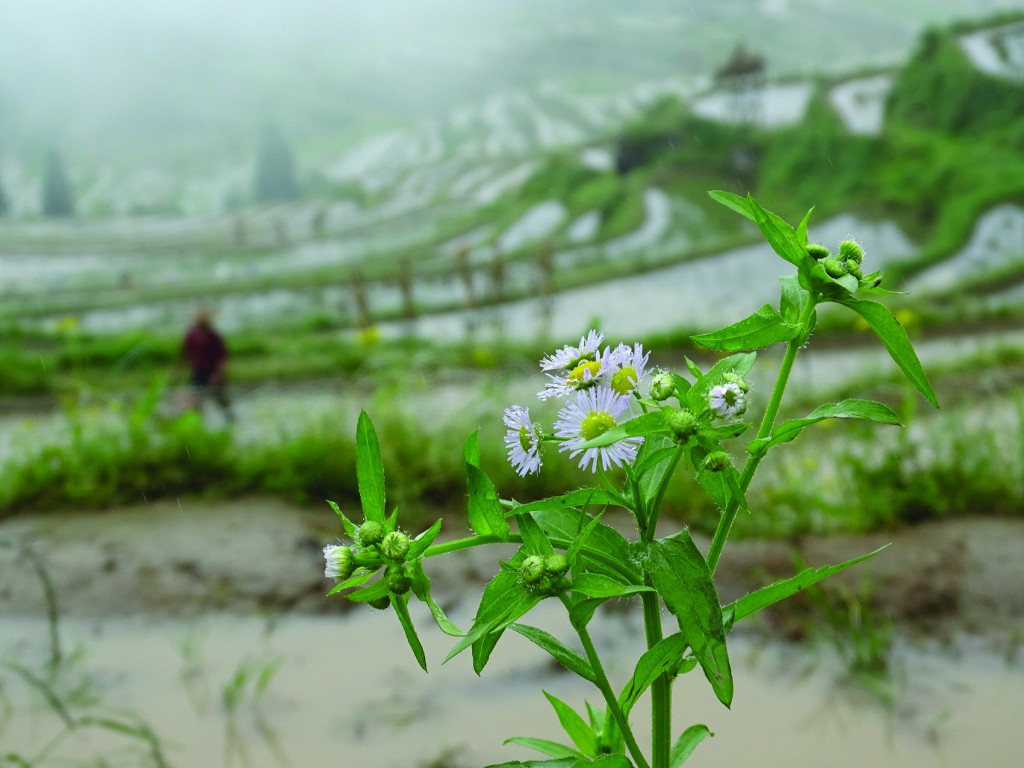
(717, 461)
(398, 582)
(395, 545)
(371, 532)
(556, 565)
(818, 252)
(662, 386)
(682, 424)
(532, 569)
(853, 268)
(834, 267)
(380, 603)
(739, 381)
(851, 250)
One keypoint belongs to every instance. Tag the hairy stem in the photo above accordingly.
(767, 422)
(661, 689)
(609, 695)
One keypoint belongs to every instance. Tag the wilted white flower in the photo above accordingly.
(522, 440)
(591, 414)
(727, 400)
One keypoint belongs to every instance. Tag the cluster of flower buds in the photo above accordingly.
(544, 575)
(377, 547)
(851, 254)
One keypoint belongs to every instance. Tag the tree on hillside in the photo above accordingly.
(275, 169)
(56, 189)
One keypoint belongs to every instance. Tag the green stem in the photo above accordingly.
(661, 689)
(609, 695)
(654, 508)
(767, 422)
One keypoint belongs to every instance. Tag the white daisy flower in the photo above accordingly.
(586, 373)
(568, 357)
(594, 412)
(629, 368)
(522, 441)
(727, 400)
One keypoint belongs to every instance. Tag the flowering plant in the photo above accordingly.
(618, 413)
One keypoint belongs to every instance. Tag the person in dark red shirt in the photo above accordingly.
(207, 356)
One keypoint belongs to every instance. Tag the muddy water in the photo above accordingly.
(348, 690)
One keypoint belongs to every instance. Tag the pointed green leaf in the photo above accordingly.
(582, 497)
(608, 761)
(355, 581)
(400, 604)
(574, 726)
(662, 657)
(486, 516)
(350, 528)
(565, 762)
(845, 409)
(723, 487)
(801, 230)
(780, 236)
(681, 576)
(694, 369)
(597, 585)
(762, 329)
(688, 742)
(793, 299)
(563, 654)
(892, 335)
(651, 423)
(419, 545)
(734, 202)
(376, 590)
(551, 748)
(421, 588)
(369, 470)
(773, 593)
(534, 540)
(573, 552)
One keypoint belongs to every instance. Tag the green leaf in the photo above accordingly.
(773, 593)
(598, 585)
(694, 369)
(845, 409)
(419, 545)
(651, 423)
(351, 529)
(552, 748)
(793, 299)
(762, 329)
(723, 487)
(572, 553)
(534, 540)
(369, 470)
(582, 497)
(680, 574)
(565, 762)
(605, 551)
(801, 230)
(376, 590)
(575, 726)
(734, 202)
(486, 516)
(780, 236)
(401, 606)
(564, 655)
(686, 743)
(662, 657)
(583, 611)
(608, 761)
(421, 588)
(355, 581)
(892, 335)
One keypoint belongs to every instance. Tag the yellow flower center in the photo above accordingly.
(596, 424)
(584, 374)
(524, 439)
(624, 380)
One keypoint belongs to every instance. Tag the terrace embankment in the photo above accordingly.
(183, 558)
